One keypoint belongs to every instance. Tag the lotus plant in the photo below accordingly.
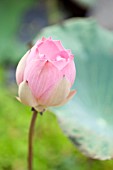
(45, 75)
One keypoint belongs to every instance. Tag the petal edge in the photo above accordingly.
(26, 96)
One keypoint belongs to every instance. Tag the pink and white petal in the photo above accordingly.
(70, 71)
(59, 45)
(48, 48)
(61, 59)
(20, 68)
(56, 94)
(41, 75)
(60, 64)
(69, 97)
(26, 96)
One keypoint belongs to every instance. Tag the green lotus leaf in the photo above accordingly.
(88, 118)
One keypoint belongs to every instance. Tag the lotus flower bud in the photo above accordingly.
(45, 75)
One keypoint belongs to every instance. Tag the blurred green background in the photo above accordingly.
(21, 22)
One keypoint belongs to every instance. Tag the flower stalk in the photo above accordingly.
(30, 139)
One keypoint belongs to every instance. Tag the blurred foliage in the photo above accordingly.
(51, 148)
(54, 13)
(86, 3)
(11, 48)
(89, 115)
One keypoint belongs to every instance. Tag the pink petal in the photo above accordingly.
(44, 39)
(59, 45)
(20, 68)
(33, 54)
(26, 96)
(69, 97)
(61, 59)
(60, 64)
(56, 94)
(69, 71)
(48, 48)
(41, 75)
(33, 70)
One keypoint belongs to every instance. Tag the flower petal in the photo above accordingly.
(41, 75)
(69, 97)
(48, 48)
(33, 70)
(56, 95)
(20, 68)
(33, 54)
(70, 71)
(59, 45)
(61, 59)
(26, 96)
(43, 39)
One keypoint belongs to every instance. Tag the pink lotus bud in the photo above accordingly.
(45, 75)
